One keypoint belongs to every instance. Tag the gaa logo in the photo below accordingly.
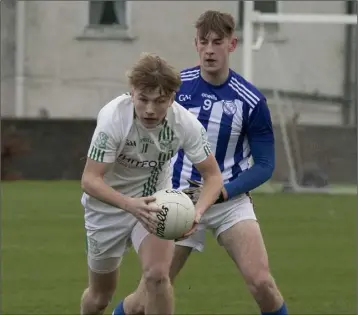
(184, 97)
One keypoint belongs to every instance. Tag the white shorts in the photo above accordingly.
(109, 236)
(220, 218)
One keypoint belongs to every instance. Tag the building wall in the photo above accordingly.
(70, 76)
(353, 95)
(7, 53)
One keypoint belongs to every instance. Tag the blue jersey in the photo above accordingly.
(229, 112)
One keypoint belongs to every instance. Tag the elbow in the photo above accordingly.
(86, 183)
(90, 183)
(266, 164)
(271, 167)
(268, 170)
(265, 168)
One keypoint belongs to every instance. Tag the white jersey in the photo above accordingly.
(140, 156)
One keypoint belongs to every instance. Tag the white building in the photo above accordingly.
(74, 61)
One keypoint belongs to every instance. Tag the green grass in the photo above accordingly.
(310, 240)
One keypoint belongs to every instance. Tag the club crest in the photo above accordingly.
(229, 107)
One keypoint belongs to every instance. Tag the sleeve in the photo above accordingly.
(260, 135)
(106, 140)
(261, 140)
(260, 121)
(196, 145)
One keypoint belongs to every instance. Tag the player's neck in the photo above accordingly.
(215, 78)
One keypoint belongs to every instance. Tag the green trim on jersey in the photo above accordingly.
(166, 137)
(144, 148)
(166, 134)
(96, 154)
(207, 150)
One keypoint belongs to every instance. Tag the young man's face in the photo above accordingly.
(151, 106)
(214, 51)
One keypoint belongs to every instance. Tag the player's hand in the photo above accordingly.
(194, 192)
(143, 208)
(193, 229)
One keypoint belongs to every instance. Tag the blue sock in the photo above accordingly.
(119, 310)
(281, 311)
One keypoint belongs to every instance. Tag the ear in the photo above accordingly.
(196, 43)
(233, 43)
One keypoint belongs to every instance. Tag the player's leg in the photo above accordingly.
(102, 270)
(241, 236)
(181, 255)
(101, 287)
(184, 248)
(107, 238)
(156, 255)
(135, 302)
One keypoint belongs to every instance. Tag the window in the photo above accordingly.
(106, 20)
(108, 14)
(267, 6)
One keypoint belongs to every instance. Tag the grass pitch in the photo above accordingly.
(310, 240)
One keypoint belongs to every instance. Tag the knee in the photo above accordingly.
(99, 300)
(135, 302)
(138, 309)
(261, 283)
(156, 277)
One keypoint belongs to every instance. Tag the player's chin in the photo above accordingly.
(212, 69)
(149, 123)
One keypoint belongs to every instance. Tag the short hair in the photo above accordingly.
(223, 24)
(152, 72)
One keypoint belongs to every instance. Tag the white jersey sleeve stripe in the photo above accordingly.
(246, 89)
(247, 100)
(190, 79)
(190, 72)
(253, 100)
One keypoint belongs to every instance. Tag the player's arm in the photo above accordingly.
(261, 140)
(212, 183)
(198, 151)
(93, 184)
(100, 158)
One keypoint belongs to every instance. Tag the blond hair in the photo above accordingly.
(223, 24)
(152, 72)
